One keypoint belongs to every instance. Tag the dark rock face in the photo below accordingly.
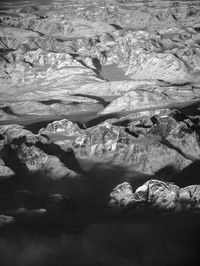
(149, 145)
(63, 127)
(37, 160)
(21, 143)
(156, 195)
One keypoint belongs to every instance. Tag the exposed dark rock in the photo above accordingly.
(36, 160)
(157, 195)
(5, 220)
(148, 145)
(21, 142)
(150, 98)
(5, 172)
(64, 127)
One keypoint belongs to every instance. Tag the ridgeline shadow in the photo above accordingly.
(188, 176)
(99, 99)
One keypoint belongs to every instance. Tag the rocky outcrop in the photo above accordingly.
(48, 55)
(5, 220)
(114, 88)
(107, 142)
(60, 109)
(38, 161)
(10, 133)
(149, 144)
(5, 172)
(21, 143)
(147, 98)
(64, 127)
(156, 195)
